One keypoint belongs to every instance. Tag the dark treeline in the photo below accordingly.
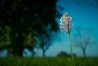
(27, 24)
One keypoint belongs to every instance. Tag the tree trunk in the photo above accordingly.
(18, 48)
(43, 52)
(84, 51)
(20, 45)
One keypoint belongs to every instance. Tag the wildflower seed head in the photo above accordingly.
(66, 22)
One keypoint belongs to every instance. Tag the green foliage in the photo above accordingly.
(29, 41)
(27, 19)
(5, 40)
(50, 61)
(63, 54)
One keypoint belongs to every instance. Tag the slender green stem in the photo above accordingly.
(71, 49)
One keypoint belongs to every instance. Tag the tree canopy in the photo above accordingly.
(21, 21)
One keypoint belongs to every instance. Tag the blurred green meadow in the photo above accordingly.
(47, 61)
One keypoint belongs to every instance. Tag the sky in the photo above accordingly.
(84, 14)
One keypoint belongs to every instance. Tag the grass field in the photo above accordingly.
(48, 61)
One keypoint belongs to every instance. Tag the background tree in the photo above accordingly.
(45, 42)
(64, 54)
(83, 39)
(27, 19)
(4, 37)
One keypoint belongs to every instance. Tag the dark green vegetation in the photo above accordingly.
(50, 61)
(25, 23)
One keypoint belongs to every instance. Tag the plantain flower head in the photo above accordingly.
(66, 22)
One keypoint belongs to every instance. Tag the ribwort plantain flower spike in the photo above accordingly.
(66, 25)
